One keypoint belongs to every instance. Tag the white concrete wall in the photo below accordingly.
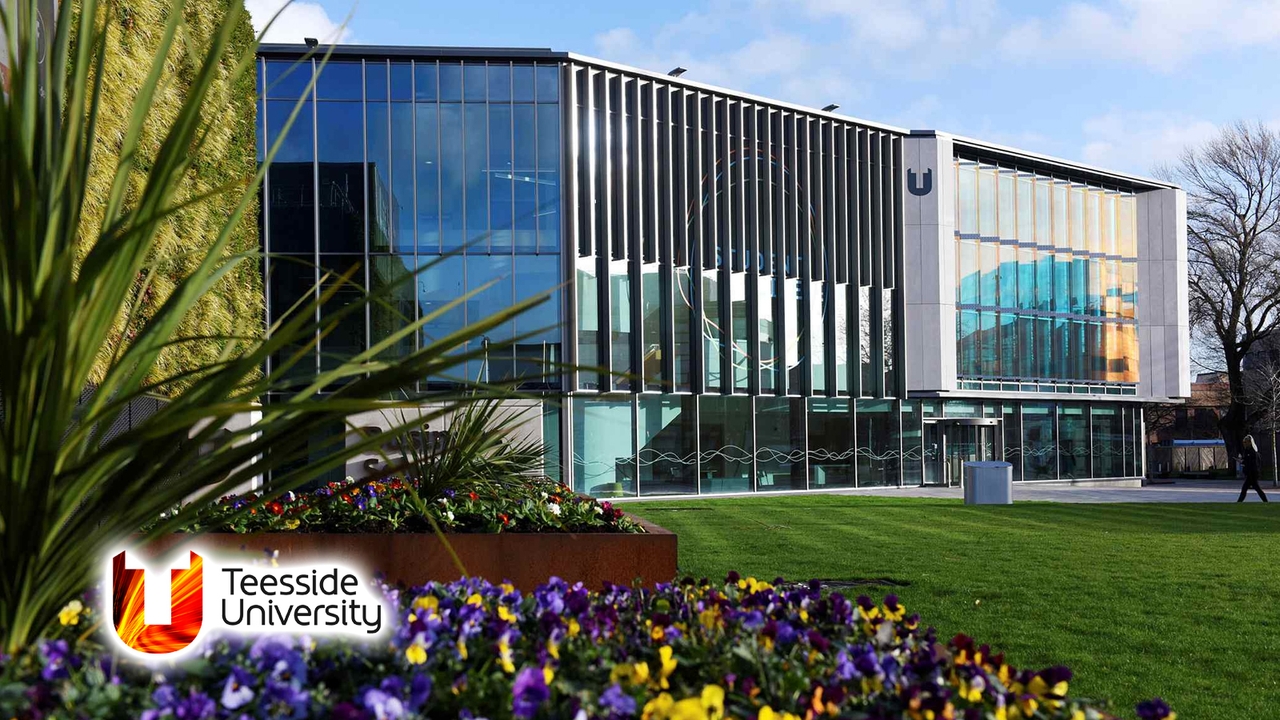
(929, 329)
(1164, 327)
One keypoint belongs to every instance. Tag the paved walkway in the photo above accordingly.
(1182, 491)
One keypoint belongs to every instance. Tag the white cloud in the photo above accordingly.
(1161, 34)
(297, 20)
(1138, 142)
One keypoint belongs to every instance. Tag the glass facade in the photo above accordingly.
(732, 274)
(1046, 282)
(713, 444)
(446, 169)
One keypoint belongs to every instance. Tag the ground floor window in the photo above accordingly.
(654, 445)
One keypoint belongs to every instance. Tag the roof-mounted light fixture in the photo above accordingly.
(311, 42)
(831, 108)
(677, 71)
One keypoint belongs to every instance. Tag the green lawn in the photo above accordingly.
(1180, 601)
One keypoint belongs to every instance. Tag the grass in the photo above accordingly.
(1141, 600)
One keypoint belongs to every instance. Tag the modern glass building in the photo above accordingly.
(769, 297)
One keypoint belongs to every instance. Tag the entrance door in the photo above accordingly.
(967, 443)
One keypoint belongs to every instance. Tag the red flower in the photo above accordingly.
(473, 495)
(505, 520)
(275, 507)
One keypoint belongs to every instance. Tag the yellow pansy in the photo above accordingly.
(657, 633)
(767, 713)
(415, 654)
(713, 701)
(658, 708)
(574, 628)
(476, 600)
(70, 615)
(548, 674)
(553, 649)
(504, 655)
(665, 654)
(505, 613)
(462, 648)
(430, 603)
(291, 524)
(507, 588)
(710, 617)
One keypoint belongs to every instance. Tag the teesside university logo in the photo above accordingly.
(161, 609)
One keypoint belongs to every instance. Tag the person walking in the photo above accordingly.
(1252, 468)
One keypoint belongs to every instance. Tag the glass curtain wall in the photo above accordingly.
(1046, 282)
(391, 166)
(716, 238)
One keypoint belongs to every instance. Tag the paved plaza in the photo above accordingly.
(1181, 491)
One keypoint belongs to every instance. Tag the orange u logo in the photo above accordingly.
(174, 624)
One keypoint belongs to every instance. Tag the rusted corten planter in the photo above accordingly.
(524, 559)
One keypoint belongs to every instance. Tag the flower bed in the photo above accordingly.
(470, 649)
(528, 505)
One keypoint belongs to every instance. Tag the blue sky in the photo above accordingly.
(1124, 84)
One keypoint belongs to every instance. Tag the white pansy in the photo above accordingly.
(554, 508)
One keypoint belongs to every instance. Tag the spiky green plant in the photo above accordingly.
(68, 491)
(481, 446)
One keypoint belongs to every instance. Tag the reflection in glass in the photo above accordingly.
(682, 308)
(1039, 444)
(879, 456)
(1012, 427)
(524, 179)
(535, 275)
(347, 338)
(712, 337)
(340, 81)
(831, 444)
(1107, 442)
(652, 317)
(726, 446)
(588, 324)
(780, 444)
(501, 187)
(292, 281)
(620, 322)
(741, 351)
(426, 81)
(342, 183)
(1073, 442)
(548, 179)
(382, 204)
(475, 132)
(818, 337)
(287, 80)
(452, 174)
(402, 162)
(912, 444)
(768, 342)
(438, 285)
(428, 169)
(393, 307)
(668, 433)
(551, 440)
(604, 460)
(291, 185)
(489, 277)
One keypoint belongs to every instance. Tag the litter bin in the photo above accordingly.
(988, 483)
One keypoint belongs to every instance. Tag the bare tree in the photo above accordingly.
(1233, 238)
(1262, 378)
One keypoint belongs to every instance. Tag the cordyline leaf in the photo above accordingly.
(68, 489)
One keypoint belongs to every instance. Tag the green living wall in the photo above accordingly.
(228, 157)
